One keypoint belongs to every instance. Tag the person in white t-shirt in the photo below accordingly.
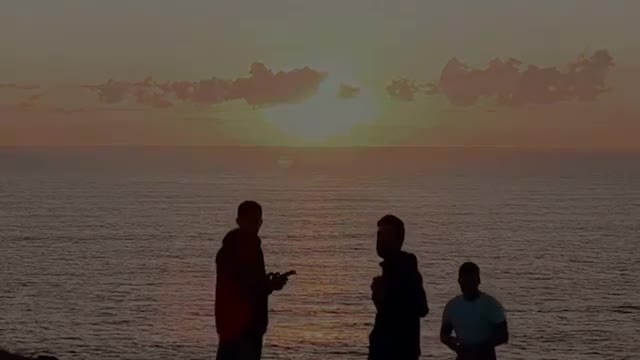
(477, 319)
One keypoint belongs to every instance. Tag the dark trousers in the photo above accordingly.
(248, 348)
(489, 354)
(391, 354)
(393, 357)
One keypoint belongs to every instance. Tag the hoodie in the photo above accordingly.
(242, 292)
(396, 332)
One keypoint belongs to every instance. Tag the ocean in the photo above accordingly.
(108, 253)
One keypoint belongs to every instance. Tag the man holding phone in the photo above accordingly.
(243, 288)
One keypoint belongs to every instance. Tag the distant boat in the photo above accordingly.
(284, 162)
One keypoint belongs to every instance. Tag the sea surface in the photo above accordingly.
(108, 253)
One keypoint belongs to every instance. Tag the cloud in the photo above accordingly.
(406, 90)
(111, 92)
(263, 87)
(507, 84)
(266, 88)
(348, 91)
(402, 89)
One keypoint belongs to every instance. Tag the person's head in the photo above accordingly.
(469, 278)
(390, 236)
(249, 217)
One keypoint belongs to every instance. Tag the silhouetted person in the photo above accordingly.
(398, 295)
(478, 319)
(243, 288)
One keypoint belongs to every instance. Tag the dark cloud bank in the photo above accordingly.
(503, 82)
(508, 83)
(263, 87)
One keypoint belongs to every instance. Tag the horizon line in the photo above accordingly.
(327, 147)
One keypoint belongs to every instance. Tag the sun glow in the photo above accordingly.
(341, 104)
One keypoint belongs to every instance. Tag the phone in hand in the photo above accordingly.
(279, 280)
(288, 273)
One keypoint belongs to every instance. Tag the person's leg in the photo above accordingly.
(249, 348)
(258, 343)
(374, 355)
(377, 354)
(485, 355)
(227, 352)
(488, 354)
(253, 348)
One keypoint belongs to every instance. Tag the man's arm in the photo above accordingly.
(500, 334)
(422, 306)
(446, 338)
(418, 295)
(499, 329)
(378, 289)
(446, 329)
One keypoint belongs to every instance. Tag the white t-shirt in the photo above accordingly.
(473, 320)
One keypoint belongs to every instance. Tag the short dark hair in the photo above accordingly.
(469, 268)
(393, 222)
(249, 208)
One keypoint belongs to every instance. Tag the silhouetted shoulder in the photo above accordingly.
(489, 300)
(451, 308)
(222, 254)
(413, 260)
(410, 260)
(454, 302)
(493, 307)
(230, 236)
(227, 243)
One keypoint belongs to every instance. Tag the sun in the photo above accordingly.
(326, 115)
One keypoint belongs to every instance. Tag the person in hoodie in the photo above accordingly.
(398, 295)
(243, 288)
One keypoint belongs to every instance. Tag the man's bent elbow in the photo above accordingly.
(424, 312)
(502, 338)
(445, 339)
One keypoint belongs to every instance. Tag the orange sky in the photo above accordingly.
(363, 72)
